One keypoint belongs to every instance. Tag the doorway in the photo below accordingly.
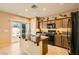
(18, 31)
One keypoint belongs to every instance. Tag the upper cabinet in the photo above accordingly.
(44, 25)
(65, 23)
(62, 23)
(58, 23)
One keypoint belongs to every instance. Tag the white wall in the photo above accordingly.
(33, 26)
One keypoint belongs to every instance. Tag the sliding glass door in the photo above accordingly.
(18, 31)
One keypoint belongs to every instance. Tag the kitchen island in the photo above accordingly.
(31, 47)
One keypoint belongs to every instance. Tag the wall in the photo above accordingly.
(5, 19)
(33, 26)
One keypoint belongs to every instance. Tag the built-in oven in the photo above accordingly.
(51, 31)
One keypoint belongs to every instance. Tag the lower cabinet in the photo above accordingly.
(64, 42)
(44, 47)
(61, 40)
(58, 40)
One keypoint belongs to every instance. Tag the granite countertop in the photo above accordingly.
(66, 35)
(43, 37)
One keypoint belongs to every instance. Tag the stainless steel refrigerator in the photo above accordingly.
(75, 33)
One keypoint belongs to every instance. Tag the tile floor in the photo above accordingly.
(55, 50)
(14, 49)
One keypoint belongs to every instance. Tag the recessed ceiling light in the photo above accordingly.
(26, 9)
(44, 9)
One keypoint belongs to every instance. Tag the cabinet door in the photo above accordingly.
(65, 23)
(64, 42)
(44, 25)
(58, 23)
(58, 41)
(44, 46)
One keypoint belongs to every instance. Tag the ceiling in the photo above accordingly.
(43, 9)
